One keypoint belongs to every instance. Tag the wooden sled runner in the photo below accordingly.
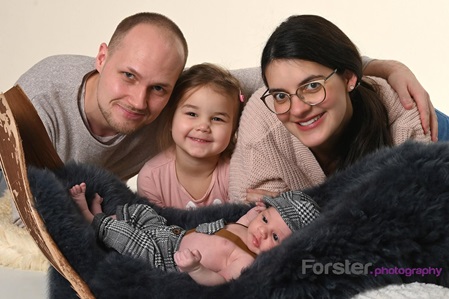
(20, 125)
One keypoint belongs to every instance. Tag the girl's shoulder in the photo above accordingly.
(160, 160)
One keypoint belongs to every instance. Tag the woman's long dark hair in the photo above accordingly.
(313, 38)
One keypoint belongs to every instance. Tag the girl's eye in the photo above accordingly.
(193, 114)
(275, 237)
(264, 219)
(217, 119)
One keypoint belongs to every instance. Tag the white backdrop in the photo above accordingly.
(232, 32)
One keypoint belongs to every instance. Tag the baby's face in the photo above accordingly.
(267, 230)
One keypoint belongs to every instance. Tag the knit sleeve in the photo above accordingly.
(404, 124)
(252, 163)
(251, 170)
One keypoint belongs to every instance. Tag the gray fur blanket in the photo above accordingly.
(383, 221)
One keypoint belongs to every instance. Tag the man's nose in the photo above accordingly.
(139, 99)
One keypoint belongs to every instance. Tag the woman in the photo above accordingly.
(318, 115)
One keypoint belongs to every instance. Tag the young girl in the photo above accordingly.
(196, 140)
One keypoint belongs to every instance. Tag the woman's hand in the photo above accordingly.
(255, 195)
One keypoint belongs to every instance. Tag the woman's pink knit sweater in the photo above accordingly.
(268, 157)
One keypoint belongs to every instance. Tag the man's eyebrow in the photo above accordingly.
(133, 71)
(136, 73)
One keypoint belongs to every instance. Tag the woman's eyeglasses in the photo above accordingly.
(311, 93)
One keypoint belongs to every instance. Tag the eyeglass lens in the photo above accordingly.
(312, 94)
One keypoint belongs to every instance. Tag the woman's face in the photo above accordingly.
(317, 127)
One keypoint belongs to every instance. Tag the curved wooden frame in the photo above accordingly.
(24, 141)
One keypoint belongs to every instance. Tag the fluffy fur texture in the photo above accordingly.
(390, 210)
(17, 247)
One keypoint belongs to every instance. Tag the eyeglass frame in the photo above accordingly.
(320, 81)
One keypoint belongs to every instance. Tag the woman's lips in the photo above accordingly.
(310, 121)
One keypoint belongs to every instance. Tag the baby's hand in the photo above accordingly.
(188, 260)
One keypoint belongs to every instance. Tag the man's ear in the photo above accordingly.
(101, 57)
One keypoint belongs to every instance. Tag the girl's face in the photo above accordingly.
(203, 122)
(317, 127)
(266, 231)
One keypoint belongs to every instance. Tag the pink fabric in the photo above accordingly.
(158, 182)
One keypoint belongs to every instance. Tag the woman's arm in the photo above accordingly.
(404, 124)
(404, 82)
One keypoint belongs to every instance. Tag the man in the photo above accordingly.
(102, 111)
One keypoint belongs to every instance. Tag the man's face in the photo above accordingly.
(136, 79)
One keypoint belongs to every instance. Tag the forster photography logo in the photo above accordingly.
(357, 268)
